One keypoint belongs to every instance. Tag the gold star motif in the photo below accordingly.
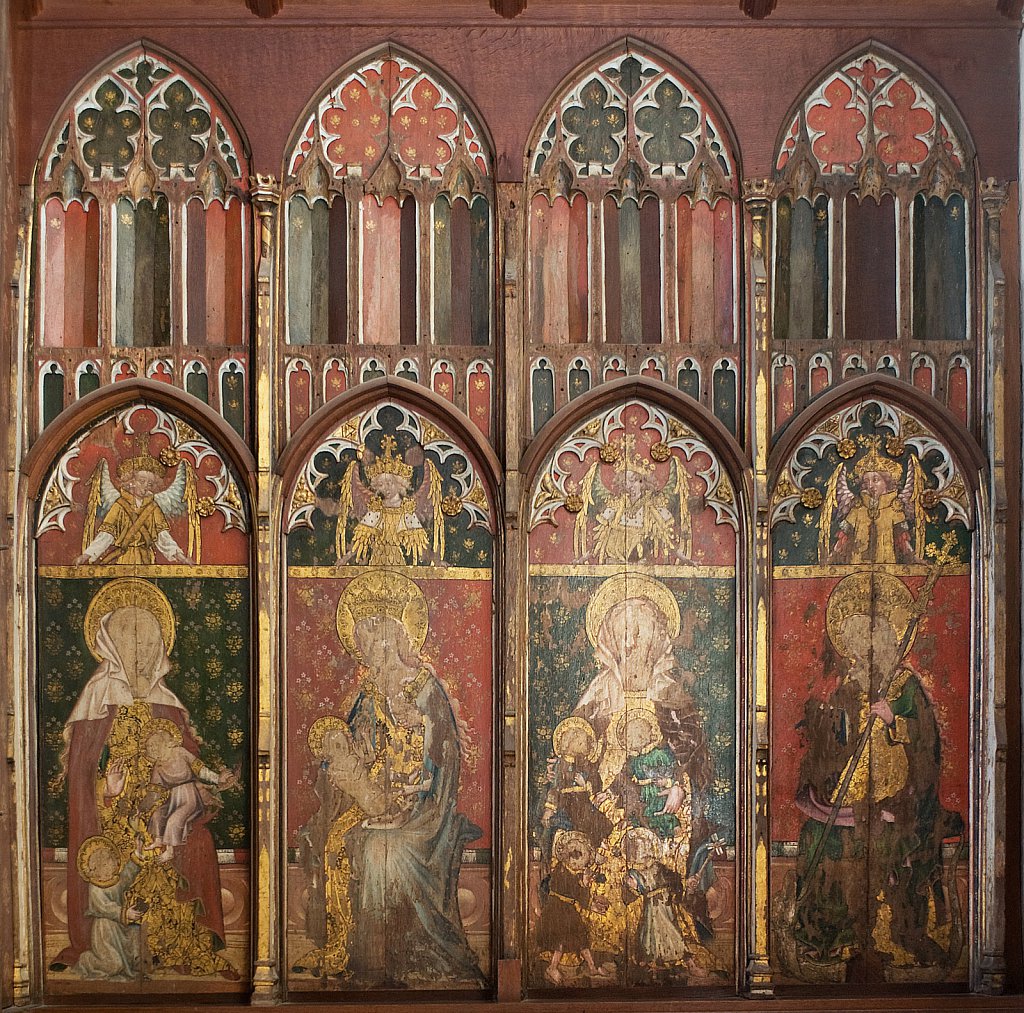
(54, 223)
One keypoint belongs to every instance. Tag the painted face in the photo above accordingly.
(389, 486)
(158, 745)
(633, 482)
(139, 642)
(638, 736)
(386, 650)
(635, 631)
(104, 865)
(873, 646)
(141, 483)
(575, 743)
(876, 484)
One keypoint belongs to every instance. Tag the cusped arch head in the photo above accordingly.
(142, 117)
(335, 423)
(187, 430)
(830, 434)
(390, 109)
(728, 482)
(872, 101)
(656, 118)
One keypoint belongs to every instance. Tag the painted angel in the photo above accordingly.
(634, 517)
(392, 519)
(128, 525)
(877, 519)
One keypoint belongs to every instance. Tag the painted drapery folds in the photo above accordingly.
(871, 675)
(390, 535)
(142, 641)
(632, 706)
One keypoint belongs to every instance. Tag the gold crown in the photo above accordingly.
(873, 461)
(382, 593)
(389, 463)
(141, 462)
(630, 461)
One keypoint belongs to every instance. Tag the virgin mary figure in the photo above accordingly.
(129, 629)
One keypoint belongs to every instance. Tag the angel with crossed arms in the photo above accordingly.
(877, 519)
(392, 517)
(129, 525)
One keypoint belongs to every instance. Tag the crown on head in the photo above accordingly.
(874, 461)
(630, 460)
(389, 463)
(142, 460)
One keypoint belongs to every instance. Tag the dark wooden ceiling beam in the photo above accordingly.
(265, 8)
(757, 8)
(1011, 8)
(508, 8)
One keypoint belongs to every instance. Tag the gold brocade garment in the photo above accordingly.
(134, 529)
(872, 522)
(883, 763)
(632, 525)
(396, 535)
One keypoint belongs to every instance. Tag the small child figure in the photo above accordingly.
(572, 803)
(561, 927)
(113, 951)
(652, 771)
(180, 780)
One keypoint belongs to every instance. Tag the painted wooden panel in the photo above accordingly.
(958, 389)
(870, 269)
(382, 271)
(650, 271)
(142, 310)
(71, 248)
(480, 272)
(632, 696)
(389, 713)
(142, 648)
(940, 269)
(783, 391)
(542, 393)
(871, 674)
(478, 396)
(801, 309)
(702, 292)
(51, 384)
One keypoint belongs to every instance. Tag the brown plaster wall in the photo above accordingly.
(756, 72)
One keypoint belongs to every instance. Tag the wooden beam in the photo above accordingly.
(265, 8)
(1011, 8)
(757, 8)
(508, 8)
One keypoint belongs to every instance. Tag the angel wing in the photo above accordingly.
(910, 497)
(180, 497)
(595, 495)
(836, 505)
(102, 495)
(432, 481)
(678, 486)
(353, 498)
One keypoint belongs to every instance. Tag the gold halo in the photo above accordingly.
(564, 840)
(161, 725)
(624, 586)
(865, 594)
(648, 717)
(318, 732)
(125, 592)
(382, 593)
(89, 847)
(575, 723)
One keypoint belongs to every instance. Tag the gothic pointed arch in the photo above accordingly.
(881, 691)
(390, 539)
(139, 617)
(875, 198)
(389, 230)
(143, 236)
(633, 225)
(636, 511)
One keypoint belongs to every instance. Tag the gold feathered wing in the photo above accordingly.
(102, 494)
(913, 490)
(579, 539)
(437, 517)
(679, 485)
(195, 531)
(345, 505)
(828, 509)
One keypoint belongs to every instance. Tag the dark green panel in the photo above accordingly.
(543, 390)
(152, 289)
(197, 383)
(319, 303)
(232, 398)
(111, 132)
(53, 393)
(300, 259)
(88, 380)
(783, 255)
(940, 269)
(820, 332)
(724, 397)
(801, 266)
(579, 381)
(629, 272)
(480, 271)
(688, 381)
(442, 271)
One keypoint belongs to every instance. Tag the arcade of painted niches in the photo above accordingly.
(557, 549)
